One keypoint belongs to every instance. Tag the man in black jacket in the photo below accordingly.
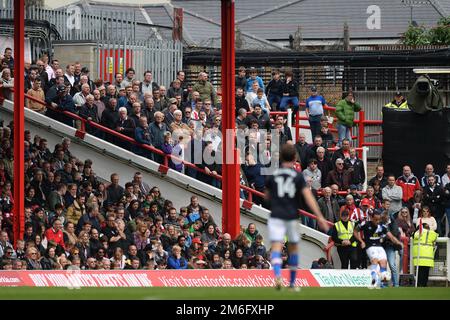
(241, 102)
(433, 197)
(380, 177)
(290, 92)
(149, 109)
(343, 152)
(143, 136)
(63, 102)
(41, 73)
(304, 152)
(211, 164)
(259, 116)
(110, 116)
(274, 90)
(241, 80)
(53, 84)
(241, 119)
(286, 130)
(125, 126)
(317, 143)
(111, 92)
(114, 191)
(359, 173)
(175, 89)
(89, 112)
(157, 130)
(58, 73)
(137, 113)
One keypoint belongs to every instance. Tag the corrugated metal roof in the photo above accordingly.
(210, 9)
(199, 29)
(207, 34)
(159, 15)
(324, 19)
(444, 5)
(243, 8)
(321, 19)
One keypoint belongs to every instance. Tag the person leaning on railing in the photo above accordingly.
(63, 102)
(89, 112)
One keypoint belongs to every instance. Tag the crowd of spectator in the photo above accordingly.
(177, 119)
(74, 218)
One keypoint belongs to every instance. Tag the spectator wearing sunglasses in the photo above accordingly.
(340, 176)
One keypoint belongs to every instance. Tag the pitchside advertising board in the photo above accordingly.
(184, 278)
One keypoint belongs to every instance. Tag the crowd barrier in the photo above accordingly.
(181, 278)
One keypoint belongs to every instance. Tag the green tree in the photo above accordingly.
(416, 36)
(440, 35)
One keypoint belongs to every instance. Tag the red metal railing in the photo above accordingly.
(362, 122)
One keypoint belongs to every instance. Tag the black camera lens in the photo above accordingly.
(423, 88)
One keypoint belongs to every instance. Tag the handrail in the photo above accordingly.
(310, 215)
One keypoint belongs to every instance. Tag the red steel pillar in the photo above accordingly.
(19, 127)
(230, 166)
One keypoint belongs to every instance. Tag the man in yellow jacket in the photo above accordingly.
(345, 241)
(423, 255)
(399, 102)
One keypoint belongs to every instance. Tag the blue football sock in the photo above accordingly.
(383, 269)
(293, 265)
(276, 263)
(373, 267)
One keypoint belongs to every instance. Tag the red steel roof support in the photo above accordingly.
(230, 165)
(19, 127)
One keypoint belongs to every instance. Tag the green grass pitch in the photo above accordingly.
(15, 293)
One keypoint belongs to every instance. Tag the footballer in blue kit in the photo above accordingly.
(374, 234)
(284, 191)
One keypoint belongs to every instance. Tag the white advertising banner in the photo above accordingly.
(342, 278)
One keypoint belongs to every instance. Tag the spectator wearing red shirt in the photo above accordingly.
(55, 233)
(356, 215)
(409, 184)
